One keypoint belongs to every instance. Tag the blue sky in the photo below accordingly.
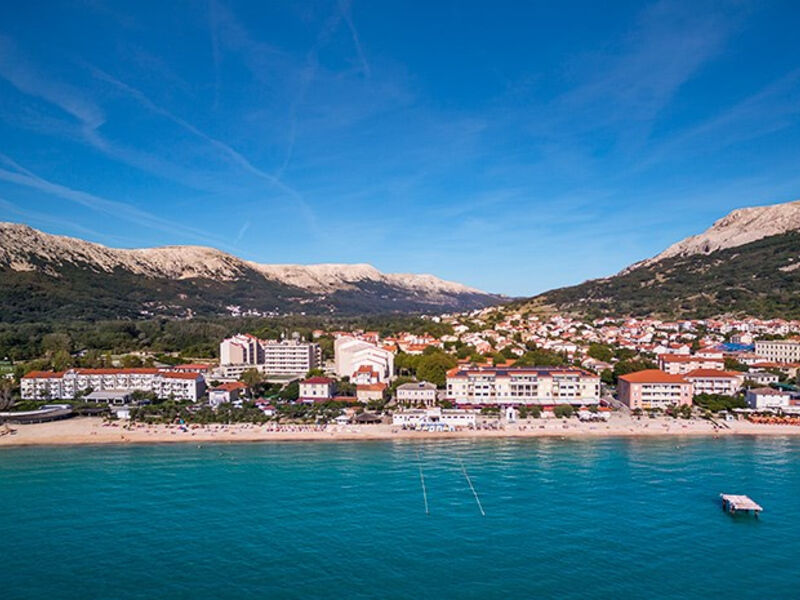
(511, 146)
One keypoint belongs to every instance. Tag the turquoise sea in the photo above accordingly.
(616, 518)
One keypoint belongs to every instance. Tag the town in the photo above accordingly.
(491, 369)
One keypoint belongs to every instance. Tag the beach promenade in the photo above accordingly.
(89, 430)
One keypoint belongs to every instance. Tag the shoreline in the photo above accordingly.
(93, 431)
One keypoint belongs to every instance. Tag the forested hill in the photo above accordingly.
(761, 279)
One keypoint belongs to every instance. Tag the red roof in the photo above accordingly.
(652, 376)
(230, 386)
(371, 387)
(44, 375)
(713, 373)
(132, 371)
(171, 375)
(318, 379)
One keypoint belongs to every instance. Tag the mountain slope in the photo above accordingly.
(737, 228)
(44, 276)
(747, 263)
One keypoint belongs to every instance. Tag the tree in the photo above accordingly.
(6, 396)
(563, 411)
(315, 373)
(538, 357)
(433, 367)
(731, 364)
(252, 378)
(291, 392)
(53, 342)
(600, 352)
(61, 360)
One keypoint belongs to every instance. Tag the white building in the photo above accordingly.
(544, 386)
(418, 393)
(779, 351)
(434, 418)
(712, 381)
(284, 358)
(226, 392)
(39, 385)
(351, 354)
(316, 389)
(767, 398)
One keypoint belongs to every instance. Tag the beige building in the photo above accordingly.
(779, 351)
(679, 364)
(653, 388)
(712, 381)
(544, 386)
(284, 358)
(417, 393)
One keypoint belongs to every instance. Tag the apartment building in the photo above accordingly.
(316, 389)
(653, 388)
(417, 393)
(279, 358)
(679, 364)
(544, 386)
(712, 381)
(39, 385)
(779, 351)
(351, 354)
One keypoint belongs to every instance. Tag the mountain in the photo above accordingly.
(44, 276)
(748, 262)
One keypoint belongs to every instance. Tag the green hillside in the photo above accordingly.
(758, 279)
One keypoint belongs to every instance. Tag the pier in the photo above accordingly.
(733, 504)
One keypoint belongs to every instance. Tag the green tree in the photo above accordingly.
(731, 364)
(61, 360)
(563, 411)
(291, 392)
(433, 367)
(600, 352)
(252, 378)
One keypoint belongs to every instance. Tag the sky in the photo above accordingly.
(511, 146)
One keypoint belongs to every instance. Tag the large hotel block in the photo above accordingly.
(543, 386)
(779, 351)
(64, 385)
(290, 358)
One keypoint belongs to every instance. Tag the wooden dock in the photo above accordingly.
(733, 504)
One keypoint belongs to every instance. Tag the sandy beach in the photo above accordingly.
(88, 430)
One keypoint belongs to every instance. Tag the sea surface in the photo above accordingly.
(614, 518)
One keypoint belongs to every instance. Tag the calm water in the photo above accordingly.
(567, 519)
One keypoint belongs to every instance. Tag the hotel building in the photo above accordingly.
(284, 358)
(544, 386)
(711, 381)
(653, 388)
(42, 385)
(351, 355)
(779, 351)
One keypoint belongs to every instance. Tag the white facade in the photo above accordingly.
(711, 381)
(779, 351)
(291, 358)
(423, 418)
(350, 354)
(417, 393)
(64, 386)
(523, 385)
(316, 389)
(767, 398)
